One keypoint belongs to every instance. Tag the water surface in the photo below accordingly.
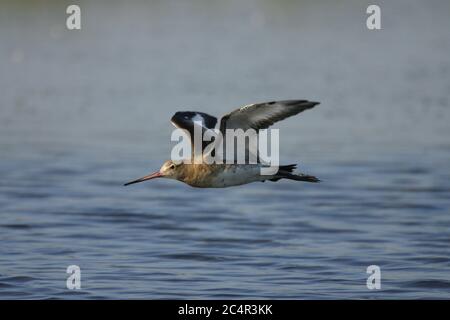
(82, 112)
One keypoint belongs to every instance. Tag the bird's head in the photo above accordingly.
(169, 169)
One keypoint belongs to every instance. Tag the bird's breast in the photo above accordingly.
(221, 176)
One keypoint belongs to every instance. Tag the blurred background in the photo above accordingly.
(83, 111)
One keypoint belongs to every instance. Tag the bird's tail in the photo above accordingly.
(285, 172)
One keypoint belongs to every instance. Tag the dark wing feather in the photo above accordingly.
(188, 120)
(263, 115)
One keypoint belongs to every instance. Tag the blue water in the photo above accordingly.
(82, 112)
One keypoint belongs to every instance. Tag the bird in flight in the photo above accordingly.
(256, 116)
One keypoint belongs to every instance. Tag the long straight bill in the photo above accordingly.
(153, 175)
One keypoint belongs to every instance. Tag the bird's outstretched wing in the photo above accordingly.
(262, 115)
(254, 116)
(189, 120)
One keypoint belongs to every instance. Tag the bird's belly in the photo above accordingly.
(235, 175)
